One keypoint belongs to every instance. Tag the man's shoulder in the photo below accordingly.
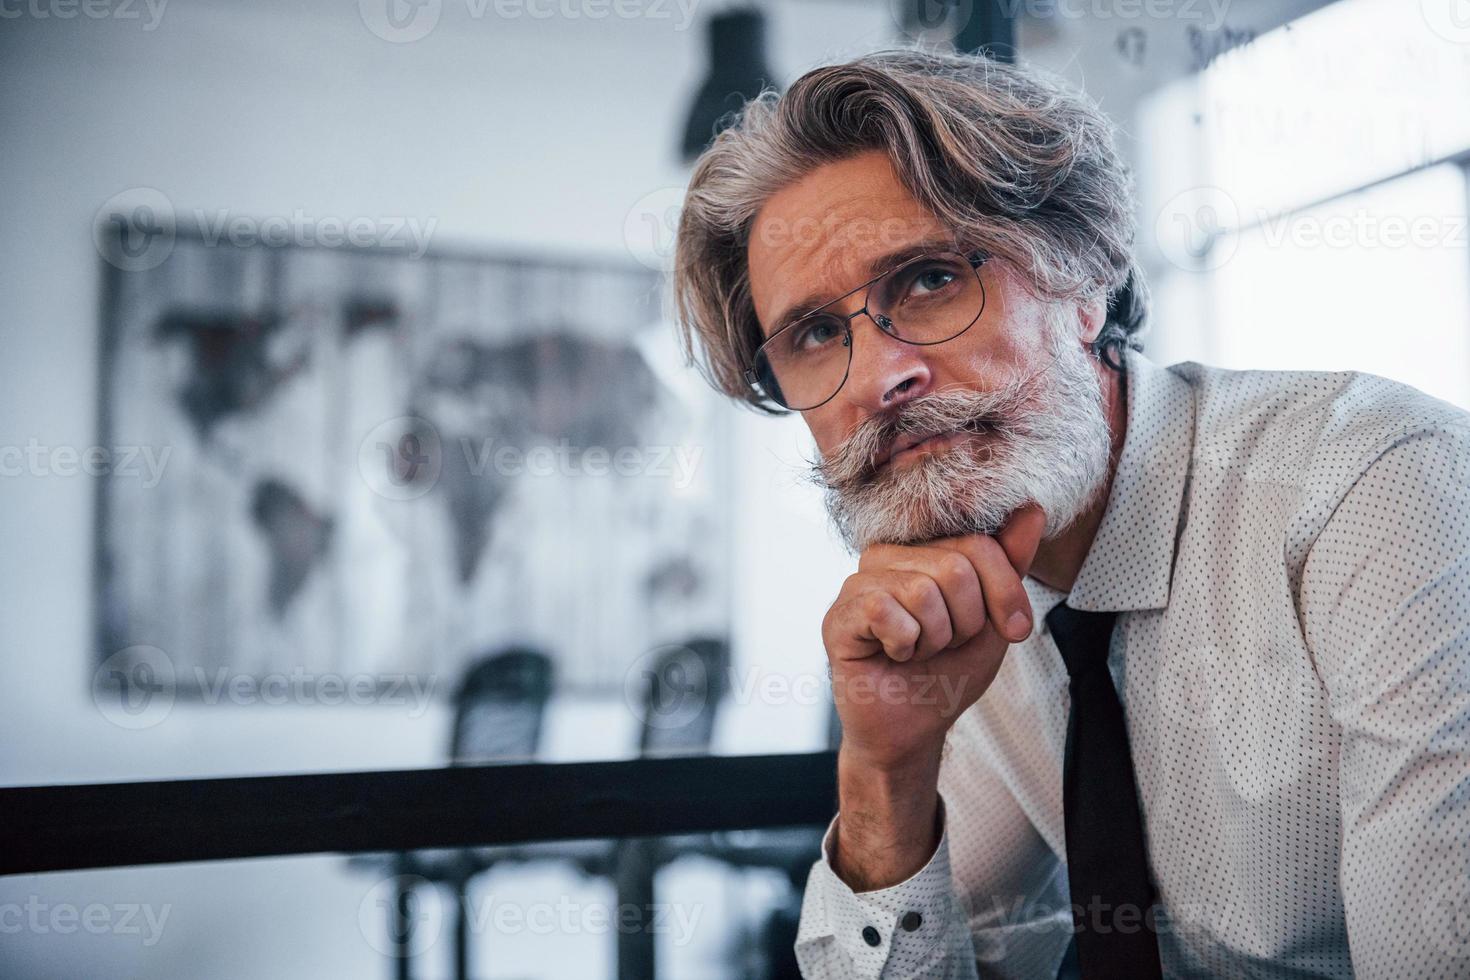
(1301, 427)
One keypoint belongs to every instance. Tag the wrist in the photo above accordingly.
(888, 823)
(889, 764)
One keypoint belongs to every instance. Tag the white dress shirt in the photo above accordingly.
(1289, 553)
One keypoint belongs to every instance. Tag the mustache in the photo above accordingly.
(1000, 411)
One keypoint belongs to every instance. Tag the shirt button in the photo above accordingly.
(911, 921)
(870, 936)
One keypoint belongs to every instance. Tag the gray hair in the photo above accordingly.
(1010, 160)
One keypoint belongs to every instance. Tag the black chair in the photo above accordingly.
(671, 725)
(681, 695)
(681, 698)
(498, 713)
(499, 708)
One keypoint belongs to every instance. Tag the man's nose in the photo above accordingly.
(885, 372)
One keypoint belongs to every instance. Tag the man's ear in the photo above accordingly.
(1091, 315)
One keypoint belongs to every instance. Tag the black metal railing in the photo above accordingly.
(100, 825)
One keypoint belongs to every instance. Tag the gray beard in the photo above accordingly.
(1048, 443)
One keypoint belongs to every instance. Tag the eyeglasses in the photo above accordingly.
(925, 301)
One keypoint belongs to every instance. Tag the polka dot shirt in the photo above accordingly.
(1289, 553)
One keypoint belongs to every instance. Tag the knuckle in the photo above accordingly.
(920, 591)
(956, 568)
(829, 620)
(874, 607)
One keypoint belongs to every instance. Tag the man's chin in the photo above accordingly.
(898, 511)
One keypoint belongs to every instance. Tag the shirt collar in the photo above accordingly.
(1131, 561)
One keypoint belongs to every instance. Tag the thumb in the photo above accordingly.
(1021, 536)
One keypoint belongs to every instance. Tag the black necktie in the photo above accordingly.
(1107, 863)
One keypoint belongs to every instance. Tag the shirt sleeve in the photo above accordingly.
(1386, 612)
(912, 929)
(992, 902)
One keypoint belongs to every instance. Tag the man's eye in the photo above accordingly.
(814, 335)
(931, 280)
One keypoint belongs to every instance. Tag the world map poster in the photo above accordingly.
(372, 466)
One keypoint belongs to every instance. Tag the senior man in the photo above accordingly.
(1209, 631)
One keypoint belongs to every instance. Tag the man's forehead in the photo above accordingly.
(818, 236)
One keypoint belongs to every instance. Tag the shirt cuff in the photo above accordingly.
(909, 924)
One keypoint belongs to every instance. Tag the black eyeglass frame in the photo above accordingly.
(975, 258)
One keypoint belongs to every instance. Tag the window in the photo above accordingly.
(1320, 218)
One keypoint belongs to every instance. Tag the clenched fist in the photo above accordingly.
(918, 632)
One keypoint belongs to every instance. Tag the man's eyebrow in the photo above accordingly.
(879, 265)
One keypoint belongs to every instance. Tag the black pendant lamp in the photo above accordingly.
(737, 73)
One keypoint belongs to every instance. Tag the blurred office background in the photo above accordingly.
(279, 281)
